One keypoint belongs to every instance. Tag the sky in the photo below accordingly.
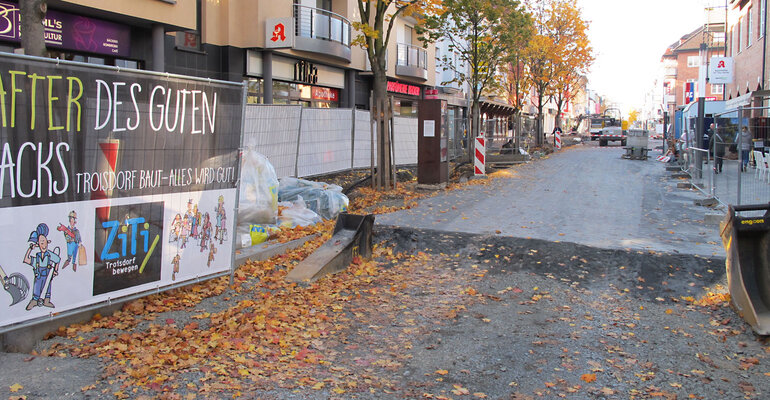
(629, 37)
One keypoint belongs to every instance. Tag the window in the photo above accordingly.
(750, 27)
(717, 89)
(693, 61)
(741, 39)
(734, 42)
(719, 38)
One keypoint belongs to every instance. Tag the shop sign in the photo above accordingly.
(403, 88)
(305, 72)
(328, 94)
(125, 182)
(70, 32)
(721, 70)
(689, 92)
(279, 33)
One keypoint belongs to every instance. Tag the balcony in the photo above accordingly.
(412, 61)
(321, 31)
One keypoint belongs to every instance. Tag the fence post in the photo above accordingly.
(299, 138)
(740, 127)
(353, 138)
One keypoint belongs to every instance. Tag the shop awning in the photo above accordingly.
(495, 108)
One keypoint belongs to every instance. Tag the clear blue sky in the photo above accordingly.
(629, 37)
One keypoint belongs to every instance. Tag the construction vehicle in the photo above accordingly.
(613, 128)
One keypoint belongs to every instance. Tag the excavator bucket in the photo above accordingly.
(352, 238)
(747, 244)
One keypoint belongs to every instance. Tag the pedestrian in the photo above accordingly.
(743, 140)
(718, 146)
(707, 139)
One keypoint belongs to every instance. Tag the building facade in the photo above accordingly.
(289, 52)
(747, 45)
(681, 67)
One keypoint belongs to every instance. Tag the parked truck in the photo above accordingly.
(613, 129)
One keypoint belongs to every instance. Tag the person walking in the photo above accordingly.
(743, 140)
(717, 143)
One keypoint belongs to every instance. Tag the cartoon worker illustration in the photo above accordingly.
(72, 237)
(176, 229)
(212, 251)
(175, 262)
(205, 232)
(221, 214)
(44, 263)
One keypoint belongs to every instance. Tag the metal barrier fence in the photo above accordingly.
(305, 142)
(734, 168)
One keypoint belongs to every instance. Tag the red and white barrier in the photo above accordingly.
(557, 140)
(480, 159)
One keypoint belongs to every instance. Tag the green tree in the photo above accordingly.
(478, 32)
(378, 18)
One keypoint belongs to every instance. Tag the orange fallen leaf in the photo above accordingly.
(442, 372)
(460, 391)
(588, 378)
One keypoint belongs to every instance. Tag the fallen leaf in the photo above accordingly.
(588, 378)
(15, 387)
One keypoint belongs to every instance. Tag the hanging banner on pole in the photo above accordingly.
(112, 183)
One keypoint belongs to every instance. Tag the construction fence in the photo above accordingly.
(732, 164)
(304, 142)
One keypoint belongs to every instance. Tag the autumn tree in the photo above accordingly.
(478, 31)
(540, 61)
(557, 53)
(378, 17)
(575, 55)
(515, 71)
(32, 17)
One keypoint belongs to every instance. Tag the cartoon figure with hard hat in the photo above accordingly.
(72, 237)
(44, 263)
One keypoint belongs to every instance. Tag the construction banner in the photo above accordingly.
(112, 182)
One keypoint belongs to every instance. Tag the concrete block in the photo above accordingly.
(713, 218)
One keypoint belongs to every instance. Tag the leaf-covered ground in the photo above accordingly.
(432, 315)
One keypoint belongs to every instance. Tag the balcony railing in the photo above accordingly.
(412, 61)
(321, 25)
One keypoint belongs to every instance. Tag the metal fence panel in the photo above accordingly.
(325, 141)
(405, 140)
(742, 178)
(272, 130)
(362, 141)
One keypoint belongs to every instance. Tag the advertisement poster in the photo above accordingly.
(112, 183)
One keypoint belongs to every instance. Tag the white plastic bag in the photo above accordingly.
(324, 199)
(295, 213)
(258, 201)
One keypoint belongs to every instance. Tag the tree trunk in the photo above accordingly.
(380, 107)
(475, 130)
(32, 30)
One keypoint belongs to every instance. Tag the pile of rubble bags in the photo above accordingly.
(266, 203)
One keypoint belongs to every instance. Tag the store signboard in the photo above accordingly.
(721, 70)
(328, 94)
(279, 33)
(112, 183)
(403, 88)
(70, 32)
